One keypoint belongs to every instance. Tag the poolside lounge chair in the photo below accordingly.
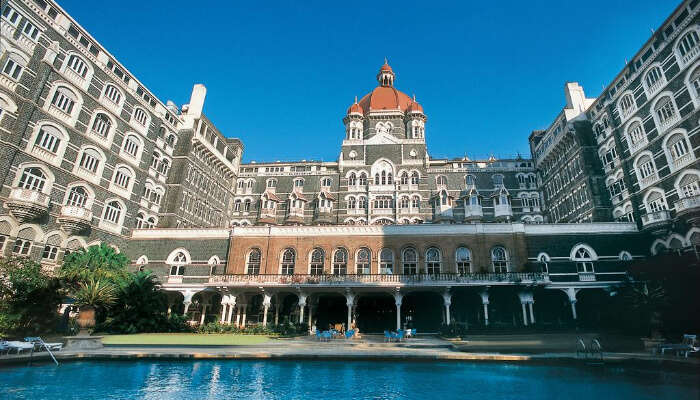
(318, 335)
(688, 345)
(19, 346)
(413, 332)
(4, 348)
(387, 336)
(326, 336)
(399, 335)
(349, 334)
(39, 344)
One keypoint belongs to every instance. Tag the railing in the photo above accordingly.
(29, 196)
(629, 111)
(670, 121)
(502, 210)
(648, 180)
(471, 211)
(586, 276)
(81, 213)
(60, 114)
(661, 82)
(690, 55)
(687, 203)
(682, 161)
(306, 279)
(656, 217)
(634, 146)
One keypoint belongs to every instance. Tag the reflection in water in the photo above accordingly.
(291, 380)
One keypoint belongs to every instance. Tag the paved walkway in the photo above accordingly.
(369, 347)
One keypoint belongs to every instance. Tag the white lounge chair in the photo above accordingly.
(39, 344)
(4, 348)
(688, 345)
(19, 346)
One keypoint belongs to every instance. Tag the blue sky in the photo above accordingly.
(280, 75)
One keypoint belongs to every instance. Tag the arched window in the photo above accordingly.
(543, 260)
(645, 170)
(363, 179)
(140, 221)
(237, 205)
(665, 112)
(340, 262)
(386, 262)
(113, 212)
(64, 99)
(78, 65)
(463, 258)
(433, 261)
(441, 180)
(132, 145)
(101, 125)
(288, 259)
(177, 267)
(627, 105)
(404, 178)
(352, 180)
(415, 178)
(499, 260)
(77, 197)
(113, 94)
(469, 180)
(362, 264)
(253, 262)
(90, 160)
(32, 178)
(410, 261)
(316, 262)
(678, 149)
(497, 180)
(122, 177)
(352, 203)
(246, 205)
(655, 201)
(415, 202)
(688, 46)
(583, 260)
(404, 202)
(636, 136)
(326, 182)
(688, 185)
(49, 138)
(272, 183)
(362, 203)
(140, 116)
(654, 79)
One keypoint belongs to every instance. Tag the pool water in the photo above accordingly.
(233, 379)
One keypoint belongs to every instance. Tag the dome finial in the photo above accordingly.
(355, 99)
(386, 62)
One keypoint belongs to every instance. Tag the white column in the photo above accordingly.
(244, 310)
(187, 300)
(524, 314)
(278, 304)
(302, 304)
(224, 308)
(398, 298)
(238, 315)
(349, 302)
(311, 315)
(447, 297)
(266, 307)
(231, 307)
(187, 306)
(571, 292)
(204, 313)
(573, 308)
(485, 301)
(532, 312)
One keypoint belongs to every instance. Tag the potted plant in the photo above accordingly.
(647, 300)
(90, 295)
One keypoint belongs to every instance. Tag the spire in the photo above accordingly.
(355, 99)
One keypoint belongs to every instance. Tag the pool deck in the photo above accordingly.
(518, 348)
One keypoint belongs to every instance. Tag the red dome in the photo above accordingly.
(355, 109)
(386, 67)
(415, 107)
(385, 98)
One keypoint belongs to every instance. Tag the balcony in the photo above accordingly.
(657, 222)
(626, 113)
(502, 211)
(689, 208)
(383, 211)
(295, 216)
(473, 212)
(648, 180)
(60, 114)
(660, 83)
(618, 198)
(682, 161)
(638, 145)
(268, 216)
(586, 276)
(74, 219)
(669, 122)
(380, 280)
(690, 55)
(7, 82)
(26, 204)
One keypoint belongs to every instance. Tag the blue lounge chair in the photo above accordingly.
(318, 335)
(399, 335)
(326, 336)
(349, 334)
(387, 336)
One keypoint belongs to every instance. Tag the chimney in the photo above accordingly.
(575, 98)
(199, 92)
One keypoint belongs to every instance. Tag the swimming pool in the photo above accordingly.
(233, 379)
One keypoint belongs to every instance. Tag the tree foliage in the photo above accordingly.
(99, 263)
(29, 298)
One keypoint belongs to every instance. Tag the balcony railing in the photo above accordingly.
(656, 217)
(682, 161)
(687, 203)
(378, 279)
(669, 121)
(634, 146)
(690, 55)
(648, 180)
(661, 82)
(473, 211)
(29, 196)
(76, 212)
(586, 276)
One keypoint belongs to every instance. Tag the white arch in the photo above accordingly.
(572, 255)
(50, 179)
(7, 103)
(171, 257)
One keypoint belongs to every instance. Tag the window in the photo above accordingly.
(627, 105)
(441, 180)
(50, 252)
(113, 94)
(646, 169)
(164, 166)
(665, 110)
(352, 203)
(410, 262)
(687, 46)
(64, 100)
(288, 259)
(271, 183)
(544, 262)
(11, 15)
(326, 182)
(497, 180)
(102, 124)
(340, 262)
(636, 134)
(415, 202)
(432, 261)
(383, 202)
(404, 202)
(140, 116)
(415, 177)
(688, 186)
(90, 160)
(499, 260)
(32, 179)
(13, 69)
(316, 264)
(132, 145)
(140, 221)
(78, 65)
(77, 197)
(653, 77)
(362, 203)
(113, 212)
(404, 178)
(386, 262)
(48, 138)
(22, 247)
(246, 205)
(583, 260)
(253, 264)
(677, 146)
(363, 261)
(463, 259)
(656, 202)
(469, 180)
(122, 178)
(3, 240)
(237, 206)
(363, 179)
(30, 30)
(299, 183)
(609, 158)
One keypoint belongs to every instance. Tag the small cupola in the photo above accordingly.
(386, 76)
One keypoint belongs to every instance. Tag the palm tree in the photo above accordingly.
(647, 299)
(99, 262)
(90, 295)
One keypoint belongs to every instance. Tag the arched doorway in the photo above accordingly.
(330, 310)
(375, 313)
(423, 311)
(505, 310)
(552, 308)
(467, 307)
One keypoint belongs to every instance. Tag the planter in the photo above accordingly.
(86, 320)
